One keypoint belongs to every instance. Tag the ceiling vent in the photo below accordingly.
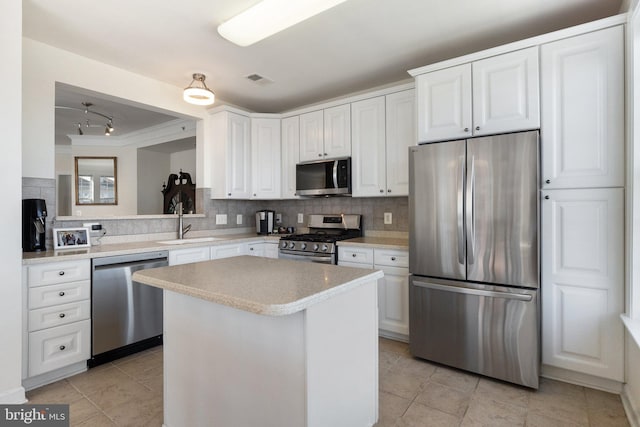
(258, 79)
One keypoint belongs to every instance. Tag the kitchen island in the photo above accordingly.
(254, 341)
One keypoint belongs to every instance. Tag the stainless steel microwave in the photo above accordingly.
(324, 178)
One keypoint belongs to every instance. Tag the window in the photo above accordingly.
(85, 188)
(107, 189)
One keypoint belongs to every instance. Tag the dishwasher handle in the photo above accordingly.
(470, 291)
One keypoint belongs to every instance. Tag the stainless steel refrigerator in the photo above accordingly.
(473, 294)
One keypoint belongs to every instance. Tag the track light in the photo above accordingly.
(107, 132)
(109, 129)
(80, 129)
(110, 126)
(197, 92)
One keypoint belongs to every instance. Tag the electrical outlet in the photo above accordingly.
(90, 225)
(278, 218)
(221, 219)
(239, 219)
(300, 218)
(388, 218)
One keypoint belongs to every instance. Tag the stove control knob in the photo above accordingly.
(303, 246)
(325, 248)
(283, 245)
(316, 247)
(292, 245)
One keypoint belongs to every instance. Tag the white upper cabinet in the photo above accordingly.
(582, 81)
(382, 130)
(368, 140)
(494, 95)
(401, 134)
(325, 134)
(231, 171)
(290, 155)
(265, 158)
(506, 93)
(444, 104)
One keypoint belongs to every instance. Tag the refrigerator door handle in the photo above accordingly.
(469, 291)
(471, 227)
(460, 208)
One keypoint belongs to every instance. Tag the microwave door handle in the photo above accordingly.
(335, 174)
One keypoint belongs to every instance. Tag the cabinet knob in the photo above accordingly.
(393, 258)
(466, 129)
(254, 194)
(477, 127)
(60, 273)
(353, 255)
(319, 154)
(381, 190)
(389, 191)
(250, 249)
(61, 293)
(61, 315)
(546, 197)
(548, 181)
(228, 194)
(62, 347)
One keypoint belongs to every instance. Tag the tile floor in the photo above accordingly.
(413, 393)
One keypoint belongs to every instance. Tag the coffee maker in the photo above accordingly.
(34, 213)
(264, 221)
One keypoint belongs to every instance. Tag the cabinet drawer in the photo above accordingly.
(45, 296)
(58, 347)
(59, 272)
(59, 315)
(186, 256)
(226, 251)
(356, 254)
(391, 258)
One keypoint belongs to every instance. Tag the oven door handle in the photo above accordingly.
(319, 258)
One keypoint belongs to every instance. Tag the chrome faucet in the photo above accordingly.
(181, 230)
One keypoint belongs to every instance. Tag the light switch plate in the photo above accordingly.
(221, 219)
(388, 218)
(278, 217)
(239, 219)
(300, 218)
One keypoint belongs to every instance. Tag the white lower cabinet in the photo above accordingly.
(393, 288)
(264, 249)
(228, 251)
(189, 255)
(59, 315)
(583, 281)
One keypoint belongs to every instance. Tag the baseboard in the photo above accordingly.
(581, 379)
(13, 397)
(53, 376)
(393, 336)
(630, 408)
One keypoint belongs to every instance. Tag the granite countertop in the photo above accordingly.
(377, 242)
(103, 250)
(274, 287)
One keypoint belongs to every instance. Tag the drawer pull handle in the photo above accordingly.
(62, 347)
(393, 258)
(60, 273)
(61, 293)
(61, 315)
(353, 255)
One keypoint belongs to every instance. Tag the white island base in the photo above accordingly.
(316, 367)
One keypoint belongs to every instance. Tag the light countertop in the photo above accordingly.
(259, 285)
(377, 242)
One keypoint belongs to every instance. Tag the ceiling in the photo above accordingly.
(357, 45)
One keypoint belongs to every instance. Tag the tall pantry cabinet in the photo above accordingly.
(582, 206)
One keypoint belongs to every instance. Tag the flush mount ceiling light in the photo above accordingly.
(269, 17)
(198, 93)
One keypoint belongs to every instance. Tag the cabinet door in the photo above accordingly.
(54, 348)
(506, 93)
(368, 143)
(238, 157)
(290, 155)
(582, 281)
(444, 104)
(311, 136)
(582, 82)
(401, 133)
(393, 301)
(337, 132)
(265, 158)
(189, 255)
(227, 251)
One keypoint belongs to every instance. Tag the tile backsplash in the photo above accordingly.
(372, 211)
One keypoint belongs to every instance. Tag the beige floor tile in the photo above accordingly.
(504, 392)
(118, 394)
(417, 367)
(393, 346)
(453, 378)
(443, 398)
(100, 420)
(97, 379)
(559, 388)
(81, 410)
(138, 368)
(602, 401)
(419, 415)
(535, 419)
(58, 392)
(391, 407)
(485, 411)
(136, 411)
(386, 359)
(403, 385)
(560, 401)
(603, 419)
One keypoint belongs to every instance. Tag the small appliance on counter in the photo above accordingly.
(264, 221)
(34, 213)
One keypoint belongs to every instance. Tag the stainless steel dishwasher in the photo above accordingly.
(126, 315)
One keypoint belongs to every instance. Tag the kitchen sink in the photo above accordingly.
(186, 241)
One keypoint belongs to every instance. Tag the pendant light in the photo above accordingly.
(198, 93)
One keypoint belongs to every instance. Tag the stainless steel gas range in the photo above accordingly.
(319, 245)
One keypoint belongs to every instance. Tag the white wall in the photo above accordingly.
(44, 65)
(185, 160)
(11, 390)
(150, 199)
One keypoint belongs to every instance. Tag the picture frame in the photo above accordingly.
(71, 238)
